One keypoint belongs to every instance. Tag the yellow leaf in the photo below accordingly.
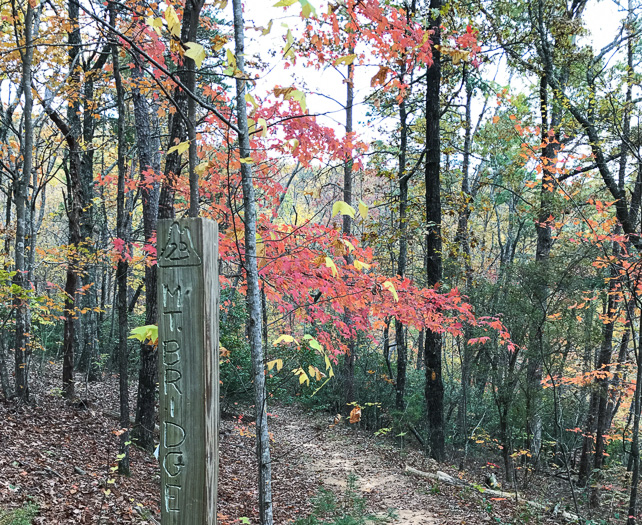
(363, 210)
(218, 42)
(285, 339)
(361, 265)
(328, 365)
(267, 30)
(389, 286)
(202, 168)
(173, 23)
(231, 59)
(343, 208)
(285, 3)
(348, 245)
(250, 98)
(155, 23)
(263, 125)
(303, 377)
(277, 362)
(196, 52)
(311, 371)
(260, 249)
(330, 264)
(246, 160)
(299, 96)
(180, 148)
(288, 51)
(347, 60)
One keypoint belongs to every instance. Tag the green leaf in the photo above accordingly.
(148, 332)
(285, 3)
(343, 208)
(196, 52)
(307, 9)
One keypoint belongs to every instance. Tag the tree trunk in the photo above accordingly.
(180, 126)
(434, 384)
(149, 162)
(122, 233)
(253, 291)
(22, 347)
(402, 351)
(347, 230)
(635, 444)
(462, 238)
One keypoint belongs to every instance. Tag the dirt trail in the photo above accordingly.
(329, 454)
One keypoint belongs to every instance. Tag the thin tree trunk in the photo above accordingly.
(123, 266)
(402, 351)
(635, 444)
(350, 357)
(181, 128)
(462, 238)
(253, 291)
(21, 197)
(434, 384)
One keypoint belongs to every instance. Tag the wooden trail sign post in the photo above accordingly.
(188, 301)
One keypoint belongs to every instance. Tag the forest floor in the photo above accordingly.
(58, 457)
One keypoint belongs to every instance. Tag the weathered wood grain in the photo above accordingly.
(188, 300)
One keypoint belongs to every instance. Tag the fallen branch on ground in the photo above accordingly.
(445, 478)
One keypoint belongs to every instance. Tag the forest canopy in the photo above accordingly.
(428, 212)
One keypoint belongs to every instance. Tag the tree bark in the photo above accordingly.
(21, 199)
(432, 359)
(149, 161)
(350, 356)
(253, 291)
(402, 259)
(122, 233)
(181, 128)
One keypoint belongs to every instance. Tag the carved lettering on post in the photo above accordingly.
(189, 383)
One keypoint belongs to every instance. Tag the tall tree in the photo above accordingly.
(432, 345)
(252, 274)
(122, 232)
(149, 162)
(21, 199)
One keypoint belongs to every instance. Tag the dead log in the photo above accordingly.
(445, 478)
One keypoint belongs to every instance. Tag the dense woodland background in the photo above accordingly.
(441, 242)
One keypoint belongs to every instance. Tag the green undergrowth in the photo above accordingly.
(347, 509)
(21, 516)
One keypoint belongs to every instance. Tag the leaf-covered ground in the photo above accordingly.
(60, 456)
